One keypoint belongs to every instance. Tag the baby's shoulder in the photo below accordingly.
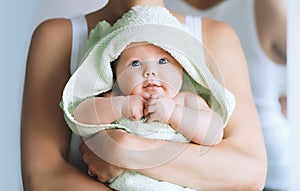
(187, 94)
(191, 99)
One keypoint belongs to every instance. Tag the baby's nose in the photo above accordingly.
(149, 74)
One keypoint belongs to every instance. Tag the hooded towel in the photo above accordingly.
(155, 25)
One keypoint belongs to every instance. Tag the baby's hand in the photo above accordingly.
(133, 106)
(159, 108)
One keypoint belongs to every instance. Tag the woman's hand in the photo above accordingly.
(125, 150)
(97, 167)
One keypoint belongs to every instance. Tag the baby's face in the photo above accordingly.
(144, 69)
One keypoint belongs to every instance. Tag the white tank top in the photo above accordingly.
(79, 38)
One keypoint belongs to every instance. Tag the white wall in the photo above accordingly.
(18, 19)
(64, 8)
(14, 34)
(294, 89)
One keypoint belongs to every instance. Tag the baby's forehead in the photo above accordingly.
(142, 45)
(138, 44)
(143, 48)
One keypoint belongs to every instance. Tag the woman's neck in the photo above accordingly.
(114, 10)
(125, 5)
(131, 3)
(203, 4)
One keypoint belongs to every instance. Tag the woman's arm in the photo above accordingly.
(237, 163)
(45, 136)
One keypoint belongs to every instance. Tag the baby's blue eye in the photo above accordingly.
(135, 63)
(163, 61)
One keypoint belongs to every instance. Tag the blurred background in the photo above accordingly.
(18, 20)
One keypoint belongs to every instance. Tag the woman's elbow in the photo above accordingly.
(36, 180)
(258, 169)
(256, 177)
(41, 172)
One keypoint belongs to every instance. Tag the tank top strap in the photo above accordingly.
(79, 37)
(194, 23)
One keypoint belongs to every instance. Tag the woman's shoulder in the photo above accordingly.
(216, 32)
(223, 52)
(53, 34)
(54, 29)
(217, 38)
(213, 32)
(51, 45)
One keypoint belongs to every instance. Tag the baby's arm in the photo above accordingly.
(196, 121)
(106, 109)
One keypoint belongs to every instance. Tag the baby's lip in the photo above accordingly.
(151, 84)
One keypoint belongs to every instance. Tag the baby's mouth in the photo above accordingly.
(152, 88)
(152, 85)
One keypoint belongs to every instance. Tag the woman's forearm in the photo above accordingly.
(223, 167)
